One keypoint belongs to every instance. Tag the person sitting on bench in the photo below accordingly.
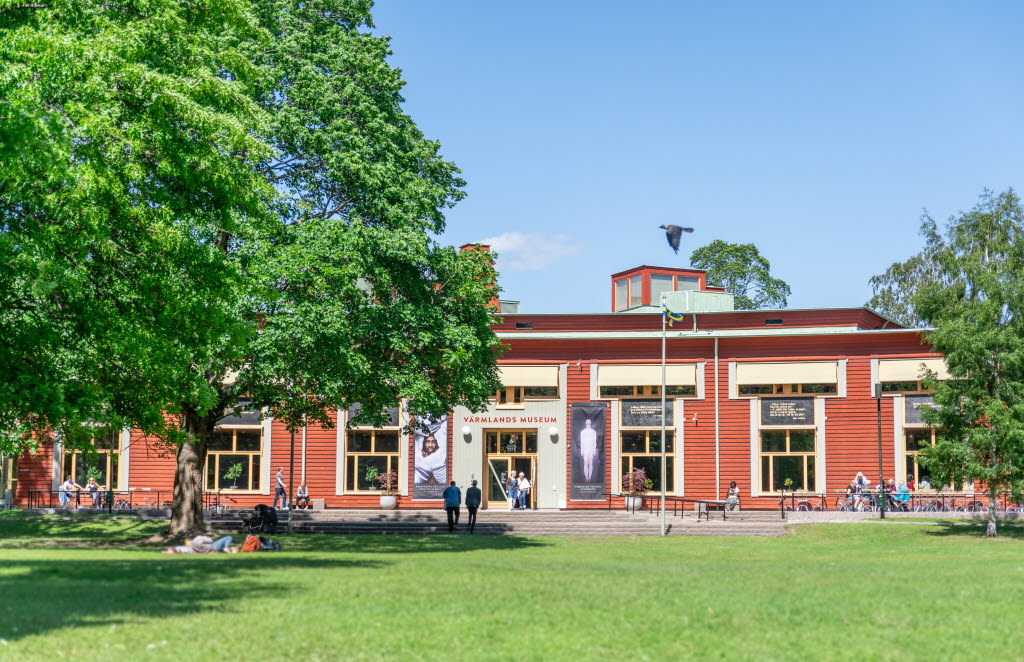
(302, 497)
(732, 501)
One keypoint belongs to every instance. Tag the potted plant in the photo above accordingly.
(389, 484)
(233, 473)
(634, 486)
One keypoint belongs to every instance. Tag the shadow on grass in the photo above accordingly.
(404, 544)
(44, 533)
(147, 535)
(55, 594)
(973, 529)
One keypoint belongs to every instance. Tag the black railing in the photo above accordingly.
(141, 499)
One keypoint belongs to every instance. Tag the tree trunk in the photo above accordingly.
(990, 532)
(187, 509)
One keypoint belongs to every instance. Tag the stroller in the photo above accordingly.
(262, 520)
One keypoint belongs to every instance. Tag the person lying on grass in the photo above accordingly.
(197, 543)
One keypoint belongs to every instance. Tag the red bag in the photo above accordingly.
(251, 544)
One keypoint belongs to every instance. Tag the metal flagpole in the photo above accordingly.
(664, 472)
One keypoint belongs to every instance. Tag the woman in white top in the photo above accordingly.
(524, 491)
(66, 488)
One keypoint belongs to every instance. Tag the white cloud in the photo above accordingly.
(531, 251)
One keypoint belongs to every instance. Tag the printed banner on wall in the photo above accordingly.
(645, 413)
(587, 474)
(787, 411)
(430, 458)
(912, 408)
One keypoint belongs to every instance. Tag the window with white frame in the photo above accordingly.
(101, 462)
(787, 454)
(233, 460)
(368, 454)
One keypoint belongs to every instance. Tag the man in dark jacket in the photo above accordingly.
(452, 500)
(473, 498)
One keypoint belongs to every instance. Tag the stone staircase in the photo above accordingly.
(504, 522)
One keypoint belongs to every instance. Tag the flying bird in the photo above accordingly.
(672, 233)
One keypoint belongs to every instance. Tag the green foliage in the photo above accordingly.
(976, 306)
(93, 472)
(233, 472)
(743, 272)
(129, 144)
(371, 474)
(198, 190)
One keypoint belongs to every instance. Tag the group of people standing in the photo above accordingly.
(518, 489)
(453, 502)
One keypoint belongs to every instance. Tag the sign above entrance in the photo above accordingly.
(912, 408)
(645, 413)
(787, 411)
(515, 420)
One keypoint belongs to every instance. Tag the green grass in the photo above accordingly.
(99, 590)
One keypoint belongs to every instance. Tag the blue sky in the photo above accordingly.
(818, 131)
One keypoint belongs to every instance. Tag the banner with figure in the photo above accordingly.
(430, 457)
(587, 444)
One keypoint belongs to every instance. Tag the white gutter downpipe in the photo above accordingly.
(717, 454)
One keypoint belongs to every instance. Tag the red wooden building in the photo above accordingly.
(756, 397)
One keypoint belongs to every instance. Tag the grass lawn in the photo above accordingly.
(96, 590)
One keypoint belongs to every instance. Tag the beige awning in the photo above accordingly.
(909, 370)
(678, 374)
(796, 372)
(528, 375)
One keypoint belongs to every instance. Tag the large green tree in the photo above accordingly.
(743, 272)
(334, 290)
(129, 145)
(976, 308)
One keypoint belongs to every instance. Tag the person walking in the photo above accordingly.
(473, 498)
(524, 492)
(452, 500)
(512, 488)
(279, 491)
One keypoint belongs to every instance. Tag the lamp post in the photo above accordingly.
(881, 480)
(664, 471)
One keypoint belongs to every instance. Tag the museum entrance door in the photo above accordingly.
(509, 453)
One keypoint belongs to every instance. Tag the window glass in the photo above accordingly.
(660, 283)
(221, 441)
(818, 388)
(610, 391)
(756, 389)
(680, 390)
(360, 441)
(635, 291)
(801, 441)
(531, 442)
(540, 391)
(687, 283)
(634, 442)
(620, 294)
(387, 441)
(773, 441)
(247, 440)
(895, 387)
(370, 450)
